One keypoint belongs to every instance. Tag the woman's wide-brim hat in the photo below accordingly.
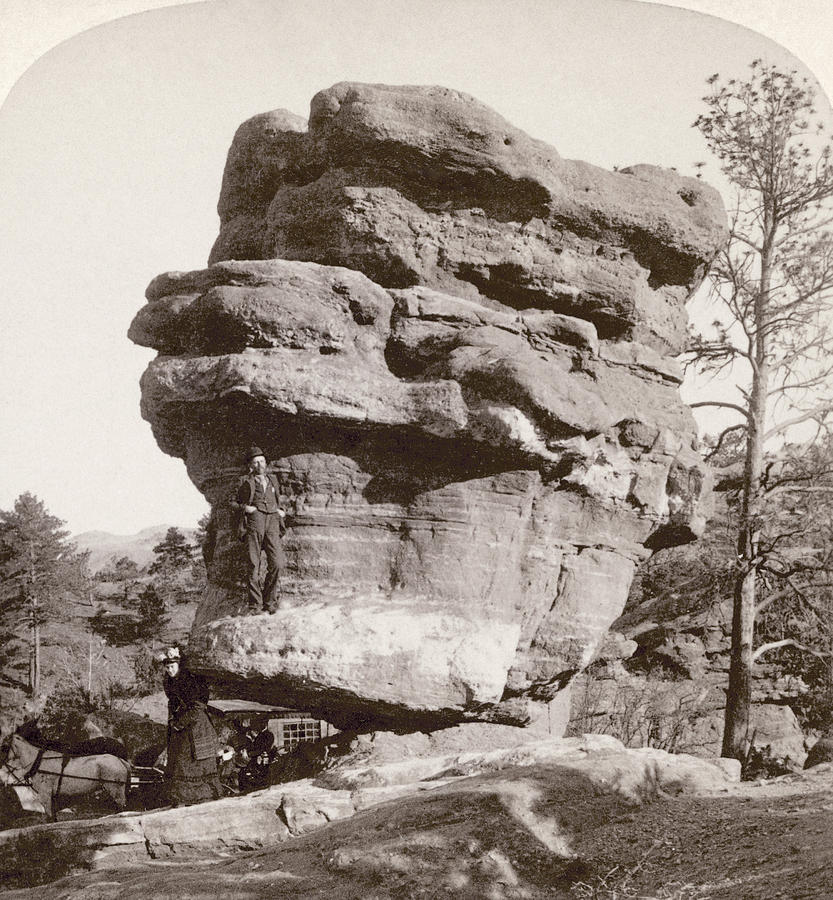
(170, 655)
(254, 451)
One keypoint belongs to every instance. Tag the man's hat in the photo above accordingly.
(252, 452)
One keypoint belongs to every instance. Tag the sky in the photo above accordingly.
(114, 130)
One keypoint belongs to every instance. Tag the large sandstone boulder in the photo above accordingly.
(425, 185)
(452, 345)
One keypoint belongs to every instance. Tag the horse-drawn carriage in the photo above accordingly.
(47, 780)
(47, 776)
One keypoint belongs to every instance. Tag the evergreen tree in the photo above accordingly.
(206, 538)
(38, 567)
(772, 285)
(172, 569)
(152, 612)
(119, 569)
(173, 554)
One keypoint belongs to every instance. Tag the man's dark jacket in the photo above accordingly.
(246, 495)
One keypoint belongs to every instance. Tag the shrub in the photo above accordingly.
(64, 712)
(145, 672)
(640, 712)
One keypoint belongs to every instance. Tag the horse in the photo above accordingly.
(56, 777)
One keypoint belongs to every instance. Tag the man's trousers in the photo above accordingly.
(263, 534)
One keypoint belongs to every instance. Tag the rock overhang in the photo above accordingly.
(475, 453)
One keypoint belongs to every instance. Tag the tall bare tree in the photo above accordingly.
(772, 285)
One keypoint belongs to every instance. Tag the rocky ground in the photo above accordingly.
(612, 824)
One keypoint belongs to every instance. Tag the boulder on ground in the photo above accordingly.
(820, 752)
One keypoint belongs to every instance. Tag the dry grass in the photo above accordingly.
(616, 884)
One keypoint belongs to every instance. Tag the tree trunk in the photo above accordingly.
(34, 624)
(36, 661)
(34, 656)
(739, 692)
(34, 647)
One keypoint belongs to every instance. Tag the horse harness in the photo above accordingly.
(33, 770)
(20, 780)
(26, 779)
(36, 765)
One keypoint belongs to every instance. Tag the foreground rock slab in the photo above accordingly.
(577, 768)
(453, 346)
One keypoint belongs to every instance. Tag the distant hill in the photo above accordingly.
(103, 546)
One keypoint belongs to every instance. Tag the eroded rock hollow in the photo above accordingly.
(455, 348)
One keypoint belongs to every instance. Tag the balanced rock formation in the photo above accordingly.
(454, 348)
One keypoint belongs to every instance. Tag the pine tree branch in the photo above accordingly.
(785, 488)
(787, 642)
(722, 404)
(811, 414)
(721, 437)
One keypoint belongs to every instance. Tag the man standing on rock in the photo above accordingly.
(261, 526)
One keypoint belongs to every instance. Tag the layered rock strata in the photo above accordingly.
(453, 347)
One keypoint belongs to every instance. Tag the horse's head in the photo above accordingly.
(11, 746)
(6, 733)
(13, 755)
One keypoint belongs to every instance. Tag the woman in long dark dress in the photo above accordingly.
(192, 741)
